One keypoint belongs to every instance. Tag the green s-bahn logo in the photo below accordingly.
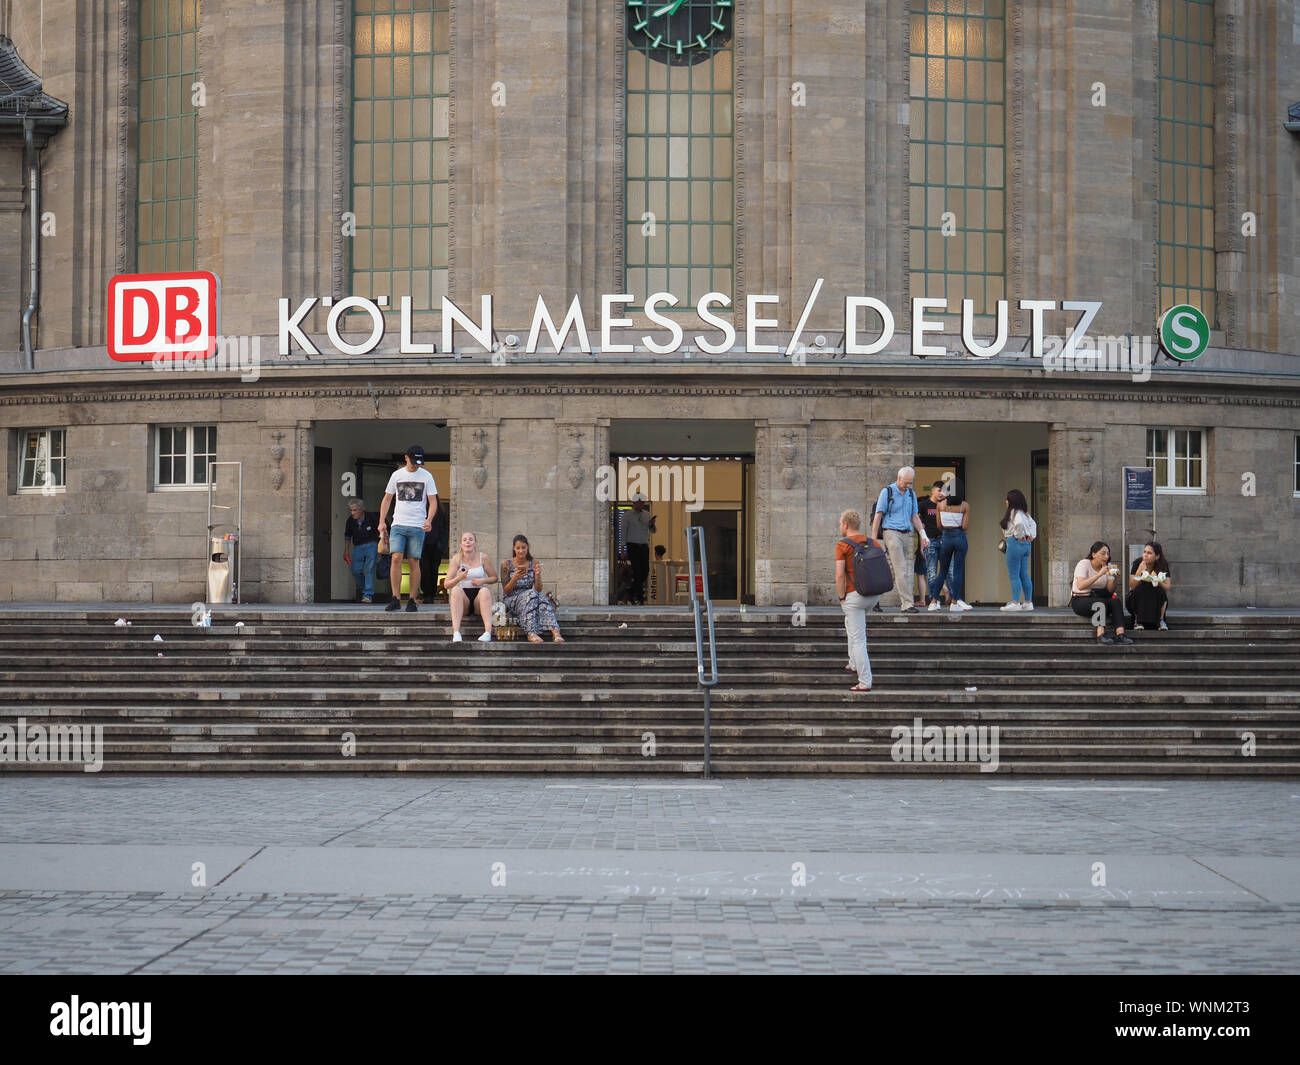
(1184, 332)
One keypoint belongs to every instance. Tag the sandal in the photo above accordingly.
(859, 688)
(556, 638)
(534, 638)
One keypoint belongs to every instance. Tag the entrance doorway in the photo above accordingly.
(989, 458)
(362, 455)
(693, 473)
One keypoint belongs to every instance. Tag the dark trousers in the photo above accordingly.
(639, 556)
(1083, 604)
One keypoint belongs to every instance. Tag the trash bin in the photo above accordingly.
(219, 571)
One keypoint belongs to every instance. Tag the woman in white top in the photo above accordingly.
(1092, 593)
(1019, 530)
(468, 574)
(954, 520)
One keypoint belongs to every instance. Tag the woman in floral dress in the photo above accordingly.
(521, 578)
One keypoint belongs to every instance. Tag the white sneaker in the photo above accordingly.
(485, 638)
(955, 608)
(964, 605)
(1010, 608)
(455, 637)
(1026, 606)
(934, 605)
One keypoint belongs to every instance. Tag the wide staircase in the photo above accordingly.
(357, 691)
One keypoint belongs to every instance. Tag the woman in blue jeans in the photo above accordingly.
(1019, 530)
(954, 519)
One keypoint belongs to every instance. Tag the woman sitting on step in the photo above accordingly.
(521, 577)
(1148, 588)
(468, 572)
(1092, 593)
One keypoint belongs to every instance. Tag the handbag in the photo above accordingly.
(1002, 545)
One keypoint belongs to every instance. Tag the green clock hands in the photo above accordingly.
(668, 9)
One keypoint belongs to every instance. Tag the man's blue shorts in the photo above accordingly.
(406, 540)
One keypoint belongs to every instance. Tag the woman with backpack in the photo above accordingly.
(1018, 533)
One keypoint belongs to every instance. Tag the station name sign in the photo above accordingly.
(868, 324)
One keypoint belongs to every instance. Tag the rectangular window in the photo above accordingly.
(957, 166)
(1185, 155)
(1178, 457)
(401, 139)
(43, 460)
(183, 455)
(679, 193)
(166, 182)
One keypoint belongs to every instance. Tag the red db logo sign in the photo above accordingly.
(165, 315)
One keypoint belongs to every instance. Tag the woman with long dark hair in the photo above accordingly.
(1092, 593)
(1148, 588)
(521, 578)
(954, 520)
(1018, 532)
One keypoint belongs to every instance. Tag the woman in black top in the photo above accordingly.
(1148, 598)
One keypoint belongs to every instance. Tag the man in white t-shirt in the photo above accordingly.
(417, 502)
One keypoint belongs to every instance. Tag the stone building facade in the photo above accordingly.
(539, 156)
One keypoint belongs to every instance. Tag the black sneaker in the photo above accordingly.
(411, 608)
(393, 605)
(1125, 639)
(1107, 639)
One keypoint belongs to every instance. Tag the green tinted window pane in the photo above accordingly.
(400, 149)
(1185, 153)
(167, 70)
(678, 149)
(957, 160)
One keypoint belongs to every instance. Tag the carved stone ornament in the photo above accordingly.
(574, 453)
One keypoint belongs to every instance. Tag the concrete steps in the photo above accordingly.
(285, 692)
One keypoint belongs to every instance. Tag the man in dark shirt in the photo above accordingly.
(361, 547)
(929, 511)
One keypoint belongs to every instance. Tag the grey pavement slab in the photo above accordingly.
(395, 874)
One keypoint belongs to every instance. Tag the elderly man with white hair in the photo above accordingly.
(897, 511)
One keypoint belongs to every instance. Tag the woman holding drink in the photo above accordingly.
(1094, 584)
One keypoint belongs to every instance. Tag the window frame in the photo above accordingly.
(52, 461)
(189, 454)
(1170, 456)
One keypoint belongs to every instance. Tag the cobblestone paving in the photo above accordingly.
(222, 931)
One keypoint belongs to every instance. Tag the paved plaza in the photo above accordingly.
(538, 874)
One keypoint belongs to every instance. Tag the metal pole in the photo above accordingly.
(708, 724)
(1123, 532)
(34, 284)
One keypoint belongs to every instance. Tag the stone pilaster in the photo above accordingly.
(781, 461)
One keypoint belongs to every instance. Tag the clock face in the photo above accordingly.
(680, 32)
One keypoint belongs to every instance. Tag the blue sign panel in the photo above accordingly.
(1139, 488)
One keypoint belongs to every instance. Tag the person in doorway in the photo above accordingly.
(415, 504)
(1148, 588)
(1018, 532)
(897, 511)
(468, 574)
(435, 550)
(928, 557)
(638, 524)
(855, 606)
(361, 548)
(521, 587)
(954, 520)
(1092, 593)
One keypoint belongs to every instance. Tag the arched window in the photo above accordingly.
(958, 141)
(680, 139)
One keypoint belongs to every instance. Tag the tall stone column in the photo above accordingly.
(476, 482)
(1075, 473)
(781, 510)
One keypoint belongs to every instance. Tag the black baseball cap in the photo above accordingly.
(416, 454)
